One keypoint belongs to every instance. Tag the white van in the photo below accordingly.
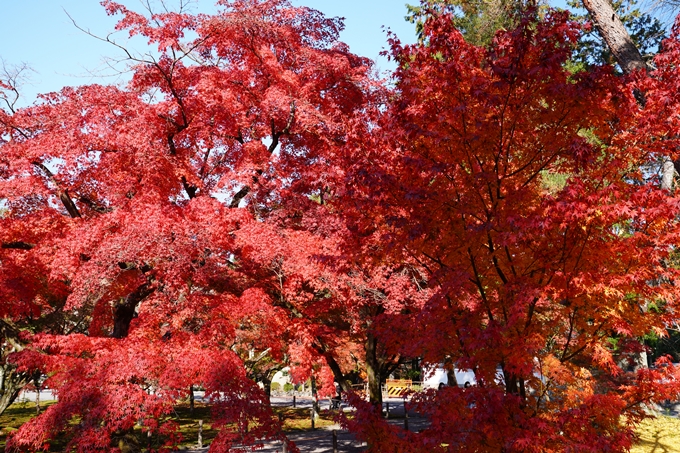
(435, 376)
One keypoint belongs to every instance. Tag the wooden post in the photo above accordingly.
(293, 401)
(335, 441)
(200, 434)
(284, 447)
(315, 395)
(312, 412)
(37, 398)
(405, 416)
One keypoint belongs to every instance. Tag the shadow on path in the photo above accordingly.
(321, 440)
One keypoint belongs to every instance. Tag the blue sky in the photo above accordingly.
(40, 34)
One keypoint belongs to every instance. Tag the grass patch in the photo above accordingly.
(188, 424)
(19, 413)
(298, 419)
(16, 415)
(293, 419)
(658, 435)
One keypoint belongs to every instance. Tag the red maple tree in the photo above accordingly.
(253, 189)
(166, 212)
(521, 189)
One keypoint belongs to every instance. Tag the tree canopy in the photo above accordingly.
(256, 191)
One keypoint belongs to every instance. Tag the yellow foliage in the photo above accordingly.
(658, 435)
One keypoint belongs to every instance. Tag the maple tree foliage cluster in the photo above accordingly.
(258, 189)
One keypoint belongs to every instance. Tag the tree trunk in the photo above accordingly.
(191, 399)
(125, 310)
(7, 398)
(267, 384)
(338, 375)
(315, 403)
(37, 397)
(11, 381)
(451, 379)
(373, 371)
(615, 35)
(667, 173)
(11, 385)
(450, 368)
(629, 58)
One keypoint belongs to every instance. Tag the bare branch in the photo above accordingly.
(12, 77)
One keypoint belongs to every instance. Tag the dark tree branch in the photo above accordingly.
(339, 376)
(240, 195)
(190, 190)
(125, 310)
(94, 205)
(62, 194)
(171, 144)
(18, 245)
(285, 131)
(69, 204)
(245, 190)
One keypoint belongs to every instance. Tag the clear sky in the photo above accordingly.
(40, 34)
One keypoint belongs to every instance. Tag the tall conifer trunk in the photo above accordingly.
(615, 35)
(373, 371)
(627, 55)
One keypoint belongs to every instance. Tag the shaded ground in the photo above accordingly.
(15, 416)
(659, 435)
(670, 408)
(318, 441)
(321, 440)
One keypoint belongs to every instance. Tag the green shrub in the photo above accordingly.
(276, 386)
(288, 387)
